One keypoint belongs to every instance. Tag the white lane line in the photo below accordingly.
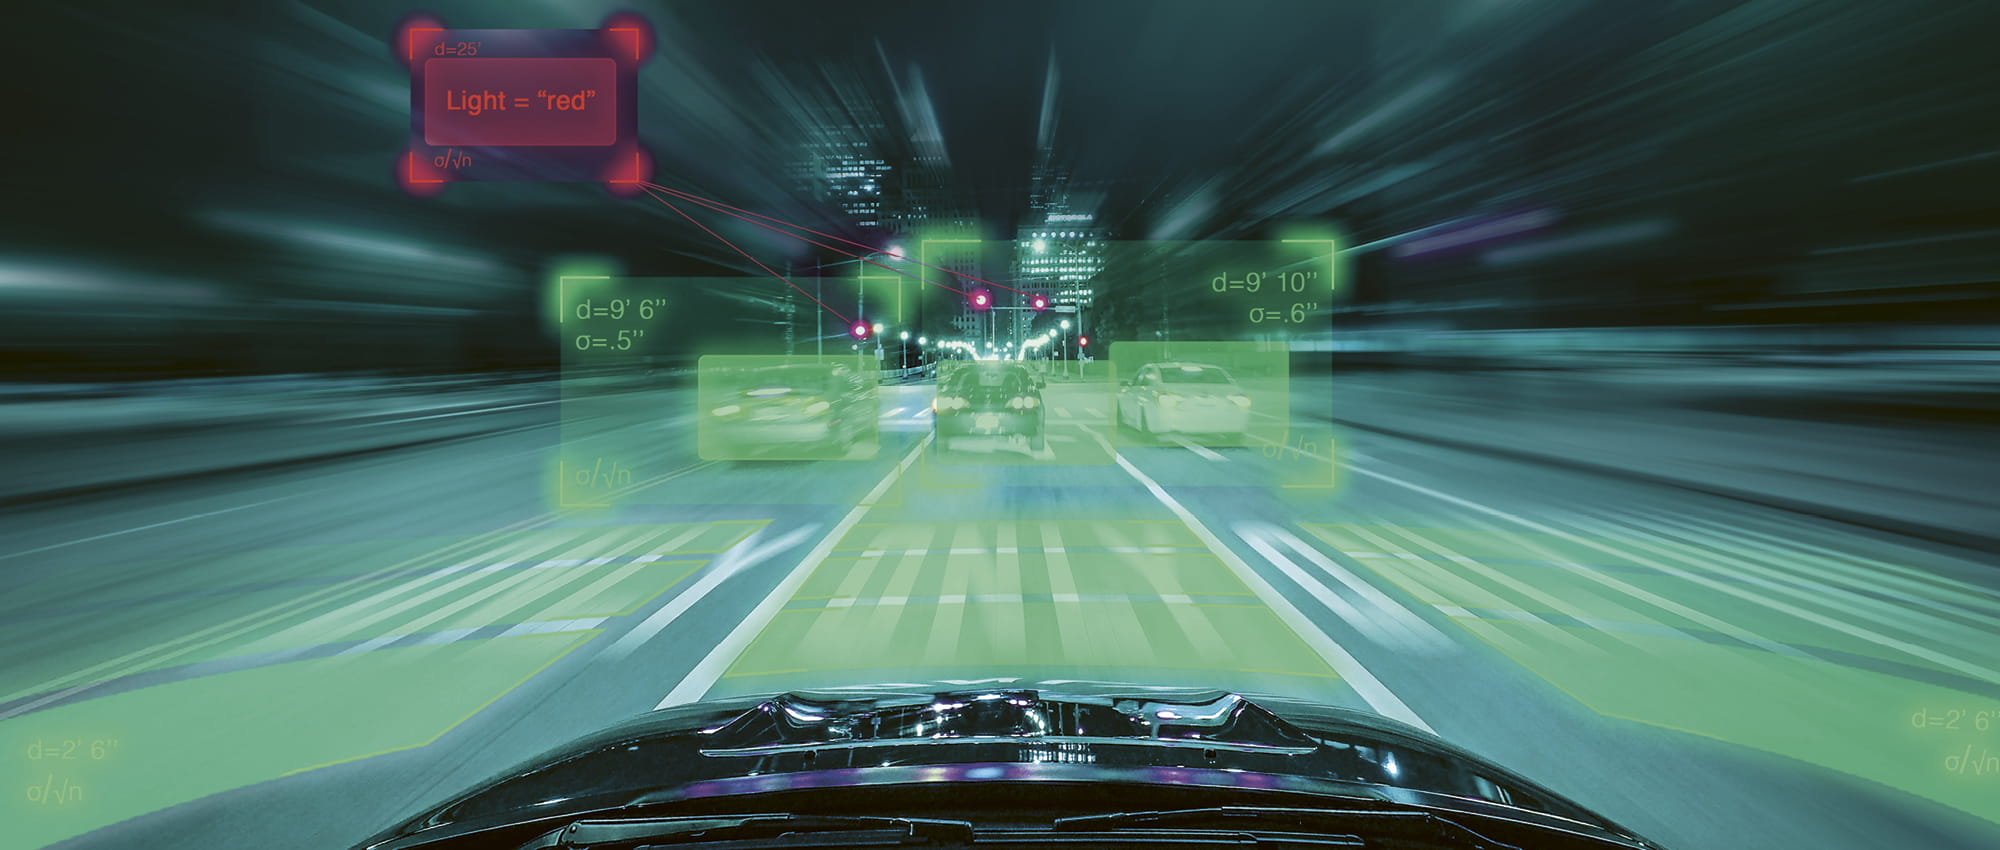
(403, 597)
(1931, 591)
(622, 573)
(1371, 689)
(711, 667)
(157, 654)
(851, 554)
(549, 627)
(1521, 588)
(1391, 625)
(25, 552)
(893, 411)
(462, 413)
(739, 558)
(1828, 586)
(1094, 412)
(1748, 574)
(1206, 452)
(1905, 647)
(1062, 412)
(1641, 595)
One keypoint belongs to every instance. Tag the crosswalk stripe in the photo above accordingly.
(1071, 627)
(382, 605)
(1496, 577)
(1589, 573)
(1824, 596)
(1590, 526)
(612, 578)
(1939, 592)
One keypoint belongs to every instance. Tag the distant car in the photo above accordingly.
(988, 400)
(809, 409)
(1186, 398)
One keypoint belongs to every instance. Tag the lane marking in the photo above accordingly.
(1974, 670)
(1396, 627)
(1642, 595)
(739, 558)
(1371, 689)
(1796, 577)
(893, 411)
(460, 413)
(711, 667)
(203, 638)
(1950, 595)
(1869, 635)
(149, 526)
(1204, 451)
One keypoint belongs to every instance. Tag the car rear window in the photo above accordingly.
(1194, 375)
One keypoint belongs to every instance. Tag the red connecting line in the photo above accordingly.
(740, 213)
(746, 255)
(686, 197)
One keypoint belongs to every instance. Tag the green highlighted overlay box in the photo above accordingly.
(787, 408)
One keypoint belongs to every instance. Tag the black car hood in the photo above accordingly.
(1054, 731)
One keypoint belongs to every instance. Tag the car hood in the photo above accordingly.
(1062, 731)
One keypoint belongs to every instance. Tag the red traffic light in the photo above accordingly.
(1082, 340)
(981, 300)
(859, 331)
(1040, 303)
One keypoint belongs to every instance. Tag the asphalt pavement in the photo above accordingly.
(298, 654)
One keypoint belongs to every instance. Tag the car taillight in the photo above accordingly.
(946, 403)
(1023, 402)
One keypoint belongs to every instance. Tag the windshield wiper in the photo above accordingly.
(1403, 824)
(796, 830)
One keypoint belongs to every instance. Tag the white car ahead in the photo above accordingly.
(1184, 398)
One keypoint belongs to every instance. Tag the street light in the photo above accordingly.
(905, 335)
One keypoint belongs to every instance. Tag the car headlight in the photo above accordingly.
(727, 410)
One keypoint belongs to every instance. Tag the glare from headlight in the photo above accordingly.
(817, 407)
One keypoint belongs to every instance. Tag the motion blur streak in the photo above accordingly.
(1639, 433)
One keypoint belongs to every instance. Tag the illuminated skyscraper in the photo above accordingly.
(852, 175)
(1060, 248)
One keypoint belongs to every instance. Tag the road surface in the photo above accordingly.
(298, 655)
